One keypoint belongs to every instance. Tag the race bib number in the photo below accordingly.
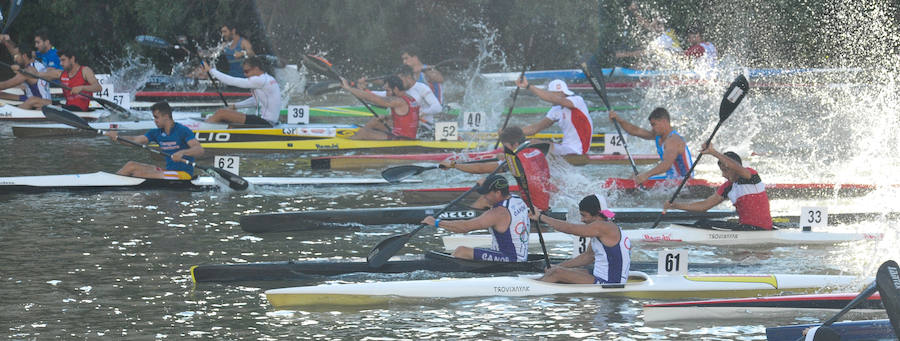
(298, 114)
(121, 98)
(229, 163)
(613, 144)
(446, 131)
(672, 262)
(106, 87)
(580, 245)
(813, 216)
(473, 120)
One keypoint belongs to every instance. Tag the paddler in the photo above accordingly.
(674, 155)
(422, 72)
(44, 50)
(266, 95)
(531, 160)
(37, 91)
(172, 138)
(569, 111)
(743, 187)
(237, 49)
(429, 105)
(507, 220)
(78, 77)
(404, 112)
(609, 250)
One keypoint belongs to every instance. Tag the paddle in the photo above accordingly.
(67, 117)
(161, 43)
(15, 6)
(109, 105)
(323, 64)
(512, 105)
(387, 248)
(733, 96)
(887, 283)
(399, 173)
(522, 180)
(320, 88)
(599, 85)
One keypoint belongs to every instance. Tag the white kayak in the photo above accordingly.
(10, 112)
(640, 285)
(191, 120)
(681, 234)
(108, 181)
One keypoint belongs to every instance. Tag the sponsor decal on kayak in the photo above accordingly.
(213, 137)
(457, 215)
(512, 289)
(764, 279)
(660, 238)
(333, 146)
(722, 236)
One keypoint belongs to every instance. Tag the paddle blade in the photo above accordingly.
(64, 116)
(113, 107)
(733, 96)
(387, 248)
(888, 279)
(321, 88)
(399, 173)
(594, 73)
(152, 41)
(15, 6)
(234, 181)
(319, 64)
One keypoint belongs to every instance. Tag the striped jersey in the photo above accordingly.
(576, 124)
(514, 241)
(611, 264)
(750, 200)
(682, 162)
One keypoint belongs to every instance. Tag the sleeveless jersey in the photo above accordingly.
(514, 242)
(533, 164)
(750, 200)
(406, 125)
(235, 69)
(73, 99)
(611, 264)
(41, 88)
(682, 162)
(576, 124)
(436, 88)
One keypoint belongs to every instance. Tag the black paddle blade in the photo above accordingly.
(888, 279)
(113, 107)
(399, 173)
(387, 248)
(64, 116)
(15, 6)
(152, 41)
(234, 181)
(321, 88)
(319, 64)
(594, 73)
(733, 96)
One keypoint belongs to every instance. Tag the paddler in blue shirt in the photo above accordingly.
(674, 155)
(507, 221)
(172, 138)
(424, 73)
(609, 250)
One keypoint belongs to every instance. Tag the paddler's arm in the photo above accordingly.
(548, 96)
(387, 102)
(742, 171)
(139, 139)
(697, 206)
(433, 75)
(671, 148)
(482, 222)
(631, 128)
(585, 258)
(472, 168)
(536, 127)
(93, 84)
(600, 229)
(195, 150)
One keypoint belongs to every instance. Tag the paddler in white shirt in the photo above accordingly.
(266, 95)
(429, 105)
(569, 111)
(507, 222)
(609, 250)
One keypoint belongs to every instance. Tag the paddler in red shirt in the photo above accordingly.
(73, 75)
(404, 112)
(744, 188)
(532, 162)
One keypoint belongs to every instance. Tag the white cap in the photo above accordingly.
(557, 85)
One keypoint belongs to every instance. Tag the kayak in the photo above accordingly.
(361, 111)
(307, 220)
(676, 234)
(431, 261)
(760, 307)
(693, 188)
(576, 74)
(103, 181)
(868, 330)
(9, 112)
(341, 143)
(203, 131)
(640, 285)
(354, 162)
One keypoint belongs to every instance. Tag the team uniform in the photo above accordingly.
(406, 126)
(49, 58)
(680, 167)
(436, 88)
(74, 102)
(750, 200)
(511, 245)
(177, 139)
(429, 105)
(235, 69)
(266, 96)
(576, 125)
(705, 54)
(533, 164)
(41, 88)
(611, 264)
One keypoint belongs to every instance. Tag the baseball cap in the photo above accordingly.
(558, 85)
(492, 183)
